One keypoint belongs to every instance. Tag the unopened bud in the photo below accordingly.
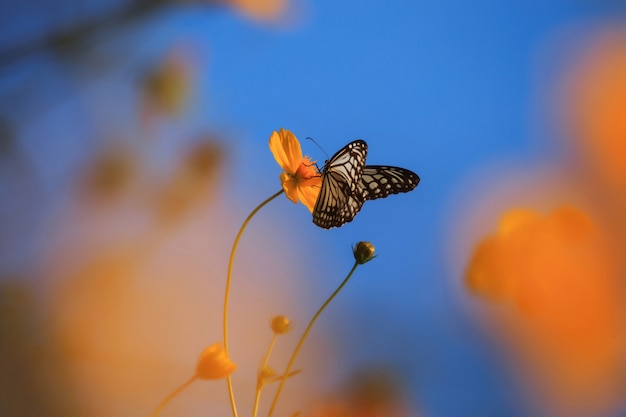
(214, 363)
(363, 252)
(280, 324)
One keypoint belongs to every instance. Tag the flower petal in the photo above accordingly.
(277, 150)
(286, 150)
(290, 186)
(308, 191)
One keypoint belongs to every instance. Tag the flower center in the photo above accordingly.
(306, 170)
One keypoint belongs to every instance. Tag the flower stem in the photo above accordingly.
(172, 395)
(260, 382)
(227, 294)
(304, 336)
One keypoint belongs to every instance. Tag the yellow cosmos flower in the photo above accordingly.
(261, 9)
(301, 180)
(594, 107)
(561, 273)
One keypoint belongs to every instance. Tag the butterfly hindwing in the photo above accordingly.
(350, 209)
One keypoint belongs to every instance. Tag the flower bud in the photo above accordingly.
(280, 324)
(214, 363)
(363, 252)
(265, 375)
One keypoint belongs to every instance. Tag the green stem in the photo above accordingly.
(177, 391)
(227, 294)
(260, 382)
(304, 336)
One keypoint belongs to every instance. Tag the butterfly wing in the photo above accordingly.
(347, 183)
(380, 181)
(340, 186)
(350, 208)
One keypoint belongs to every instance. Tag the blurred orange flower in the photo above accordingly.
(300, 179)
(260, 9)
(595, 106)
(214, 363)
(559, 273)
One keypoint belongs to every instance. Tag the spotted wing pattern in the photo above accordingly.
(347, 183)
(340, 183)
(378, 181)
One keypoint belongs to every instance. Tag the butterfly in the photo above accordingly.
(347, 183)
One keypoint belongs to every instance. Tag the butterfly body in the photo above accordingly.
(347, 183)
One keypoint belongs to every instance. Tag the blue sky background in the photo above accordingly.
(443, 88)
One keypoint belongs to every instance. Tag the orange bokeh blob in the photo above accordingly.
(260, 9)
(595, 107)
(561, 279)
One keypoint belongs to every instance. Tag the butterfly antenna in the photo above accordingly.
(318, 145)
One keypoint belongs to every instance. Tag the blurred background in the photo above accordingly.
(133, 144)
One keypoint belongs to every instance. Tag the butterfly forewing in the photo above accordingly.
(348, 163)
(379, 181)
(340, 179)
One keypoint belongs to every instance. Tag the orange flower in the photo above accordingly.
(300, 179)
(559, 273)
(260, 9)
(595, 107)
(214, 363)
